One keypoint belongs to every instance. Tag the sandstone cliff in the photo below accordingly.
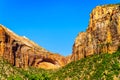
(21, 52)
(102, 34)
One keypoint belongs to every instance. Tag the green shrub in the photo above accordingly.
(96, 67)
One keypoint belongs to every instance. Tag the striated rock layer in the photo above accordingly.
(102, 35)
(21, 52)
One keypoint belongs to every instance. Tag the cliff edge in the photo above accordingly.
(102, 34)
(22, 52)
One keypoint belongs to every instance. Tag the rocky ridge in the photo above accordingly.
(22, 52)
(102, 34)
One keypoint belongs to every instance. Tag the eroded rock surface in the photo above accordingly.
(21, 52)
(102, 35)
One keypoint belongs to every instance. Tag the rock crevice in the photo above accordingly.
(21, 52)
(102, 35)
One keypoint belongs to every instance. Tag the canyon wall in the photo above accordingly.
(22, 52)
(102, 34)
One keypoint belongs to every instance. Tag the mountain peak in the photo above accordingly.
(22, 52)
(102, 34)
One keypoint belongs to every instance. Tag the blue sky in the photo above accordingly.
(53, 24)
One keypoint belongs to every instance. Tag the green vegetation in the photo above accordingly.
(110, 5)
(96, 67)
(9, 72)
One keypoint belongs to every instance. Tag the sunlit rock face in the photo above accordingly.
(102, 34)
(22, 52)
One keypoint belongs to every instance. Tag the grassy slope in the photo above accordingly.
(97, 67)
(9, 72)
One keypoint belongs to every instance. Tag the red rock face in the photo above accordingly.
(102, 35)
(21, 52)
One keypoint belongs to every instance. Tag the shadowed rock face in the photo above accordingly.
(102, 35)
(21, 52)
